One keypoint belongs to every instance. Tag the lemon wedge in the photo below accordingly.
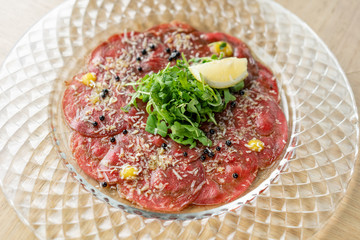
(223, 73)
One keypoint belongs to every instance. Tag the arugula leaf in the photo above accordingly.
(162, 129)
(228, 96)
(151, 124)
(238, 87)
(177, 101)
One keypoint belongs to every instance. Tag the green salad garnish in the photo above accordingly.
(177, 103)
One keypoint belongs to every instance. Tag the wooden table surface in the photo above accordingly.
(335, 21)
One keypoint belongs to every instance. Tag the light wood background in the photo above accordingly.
(337, 22)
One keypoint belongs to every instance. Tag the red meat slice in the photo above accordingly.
(266, 83)
(170, 189)
(228, 175)
(173, 26)
(88, 153)
(183, 38)
(167, 181)
(266, 122)
(253, 116)
(126, 48)
(82, 111)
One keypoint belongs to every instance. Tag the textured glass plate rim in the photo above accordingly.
(22, 218)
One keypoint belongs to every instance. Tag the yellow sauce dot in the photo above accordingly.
(89, 79)
(129, 172)
(221, 47)
(255, 145)
(94, 98)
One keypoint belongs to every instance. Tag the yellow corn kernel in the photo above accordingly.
(89, 79)
(255, 145)
(129, 172)
(221, 47)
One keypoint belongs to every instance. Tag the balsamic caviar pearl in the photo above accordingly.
(185, 154)
(202, 158)
(212, 131)
(152, 46)
(235, 175)
(104, 184)
(206, 151)
(164, 145)
(211, 154)
(143, 52)
(95, 124)
(138, 59)
(233, 104)
(168, 50)
(112, 139)
(177, 54)
(218, 148)
(242, 92)
(228, 142)
(102, 118)
(140, 69)
(117, 78)
(125, 131)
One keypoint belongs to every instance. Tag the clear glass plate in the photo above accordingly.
(290, 200)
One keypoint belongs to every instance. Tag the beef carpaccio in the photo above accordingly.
(112, 146)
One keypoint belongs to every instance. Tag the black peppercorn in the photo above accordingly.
(168, 50)
(228, 142)
(140, 69)
(242, 92)
(95, 124)
(138, 59)
(125, 131)
(212, 131)
(143, 52)
(218, 148)
(202, 158)
(206, 151)
(164, 145)
(211, 154)
(235, 175)
(152, 46)
(104, 184)
(102, 118)
(185, 154)
(117, 78)
(104, 92)
(175, 54)
(112, 139)
(233, 104)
